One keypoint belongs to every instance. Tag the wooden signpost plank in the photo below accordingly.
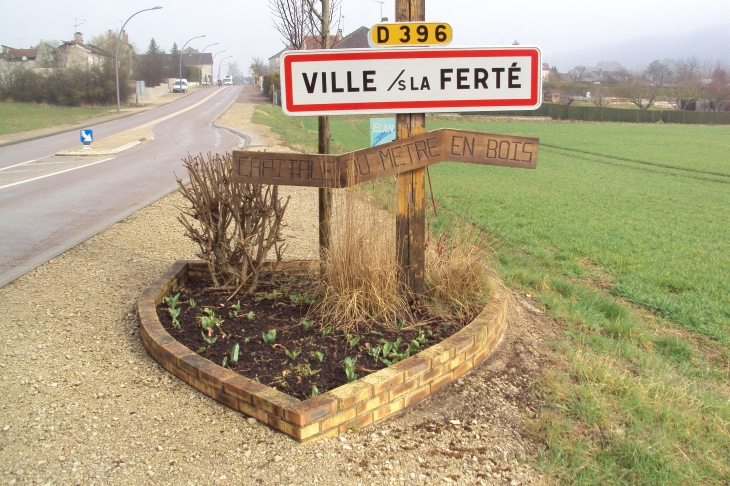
(397, 157)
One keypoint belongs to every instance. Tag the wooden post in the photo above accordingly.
(410, 222)
(325, 193)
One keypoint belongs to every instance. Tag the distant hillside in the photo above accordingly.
(712, 42)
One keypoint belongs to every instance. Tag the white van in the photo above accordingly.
(228, 80)
(180, 86)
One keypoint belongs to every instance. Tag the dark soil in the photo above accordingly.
(282, 304)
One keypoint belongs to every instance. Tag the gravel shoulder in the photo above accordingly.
(83, 402)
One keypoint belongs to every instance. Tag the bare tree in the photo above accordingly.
(640, 92)
(292, 20)
(577, 73)
(322, 19)
(599, 98)
(687, 81)
(719, 86)
(259, 67)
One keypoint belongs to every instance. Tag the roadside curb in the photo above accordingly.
(99, 153)
(356, 404)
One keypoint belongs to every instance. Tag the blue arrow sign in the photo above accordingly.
(86, 136)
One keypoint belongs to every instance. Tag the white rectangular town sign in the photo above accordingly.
(423, 80)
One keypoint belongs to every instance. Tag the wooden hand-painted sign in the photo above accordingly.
(338, 171)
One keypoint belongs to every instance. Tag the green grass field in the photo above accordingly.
(21, 117)
(622, 234)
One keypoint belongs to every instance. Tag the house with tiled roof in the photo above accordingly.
(77, 54)
(356, 39)
(10, 54)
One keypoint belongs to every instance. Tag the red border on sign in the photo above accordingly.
(532, 53)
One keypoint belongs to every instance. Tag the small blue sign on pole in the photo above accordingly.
(86, 136)
(382, 130)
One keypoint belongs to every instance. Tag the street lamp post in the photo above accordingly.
(116, 53)
(213, 64)
(219, 66)
(181, 55)
(201, 57)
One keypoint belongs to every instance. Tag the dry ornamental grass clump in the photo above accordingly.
(359, 283)
(458, 277)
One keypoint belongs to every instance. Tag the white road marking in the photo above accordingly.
(23, 163)
(55, 173)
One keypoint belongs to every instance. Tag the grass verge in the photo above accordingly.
(623, 235)
(23, 117)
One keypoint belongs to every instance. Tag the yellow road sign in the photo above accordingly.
(410, 34)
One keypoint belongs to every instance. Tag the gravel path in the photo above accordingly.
(84, 403)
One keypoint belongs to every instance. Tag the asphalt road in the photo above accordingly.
(49, 204)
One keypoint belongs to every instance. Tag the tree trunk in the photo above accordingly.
(325, 193)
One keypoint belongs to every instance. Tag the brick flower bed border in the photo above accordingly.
(360, 403)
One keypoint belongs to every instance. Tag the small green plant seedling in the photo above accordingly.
(237, 306)
(250, 315)
(269, 337)
(446, 327)
(318, 357)
(315, 392)
(234, 353)
(350, 368)
(326, 330)
(172, 301)
(307, 324)
(192, 303)
(400, 325)
(299, 298)
(174, 313)
(377, 333)
(225, 361)
(354, 341)
(208, 339)
(201, 350)
(209, 322)
(292, 355)
(273, 295)
(311, 371)
(353, 428)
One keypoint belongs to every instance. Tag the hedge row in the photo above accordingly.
(595, 113)
(65, 87)
(270, 79)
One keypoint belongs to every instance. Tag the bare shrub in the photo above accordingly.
(359, 283)
(458, 277)
(235, 225)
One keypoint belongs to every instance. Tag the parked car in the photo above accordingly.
(180, 86)
(228, 80)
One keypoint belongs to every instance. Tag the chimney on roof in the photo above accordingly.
(384, 19)
(78, 38)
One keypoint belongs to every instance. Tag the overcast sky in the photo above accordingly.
(244, 28)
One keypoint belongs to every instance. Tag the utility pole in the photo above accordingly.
(410, 220)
